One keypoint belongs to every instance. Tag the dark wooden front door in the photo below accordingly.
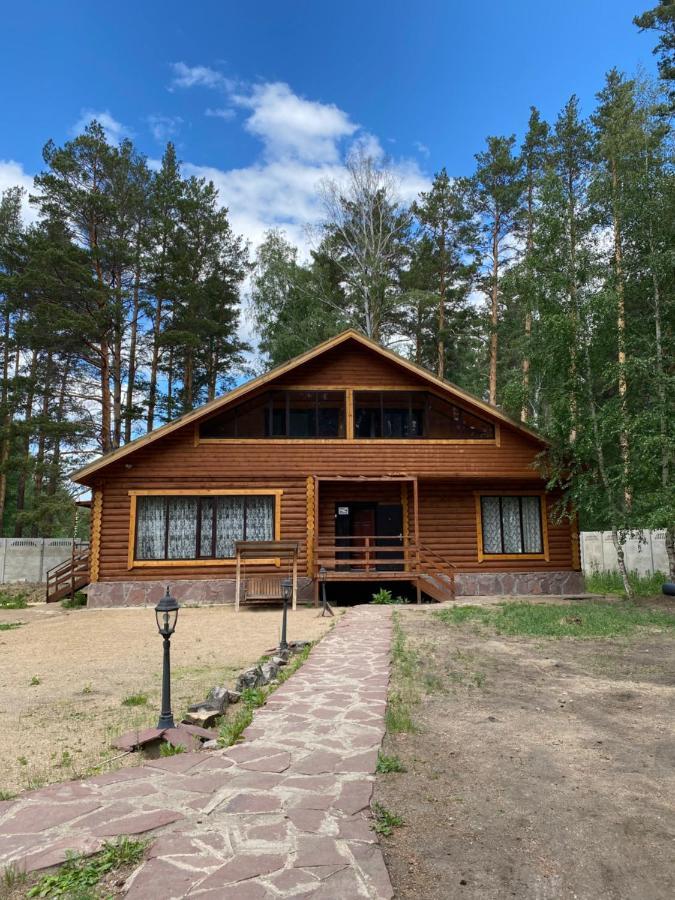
(376, 523)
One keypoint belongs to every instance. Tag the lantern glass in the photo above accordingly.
(287, 588)
(166, 614)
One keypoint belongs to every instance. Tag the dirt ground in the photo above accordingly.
(543, 768)
(65, 673)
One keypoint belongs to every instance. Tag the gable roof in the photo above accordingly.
(241, 391)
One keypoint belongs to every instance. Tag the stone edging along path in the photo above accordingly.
(284, 814)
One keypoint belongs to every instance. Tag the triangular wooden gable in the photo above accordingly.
(326, 363)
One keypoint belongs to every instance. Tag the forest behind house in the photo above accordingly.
(542, 281)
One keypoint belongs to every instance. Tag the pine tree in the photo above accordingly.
(497, 195)
(445, 219)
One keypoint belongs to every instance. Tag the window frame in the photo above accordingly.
(494, 441)
(350, 423)
(285, 438)
(133, 562)
(543, 522)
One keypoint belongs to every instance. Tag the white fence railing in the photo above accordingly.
(28, 559)
(645, 552)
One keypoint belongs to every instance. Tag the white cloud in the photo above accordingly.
(421, 148)
(114, 130)
(185, 76)
(304, 142)
(12, 174)
(164, 127)
(291, 126)
(225, 113)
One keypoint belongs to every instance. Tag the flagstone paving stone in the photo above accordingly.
(286, 813)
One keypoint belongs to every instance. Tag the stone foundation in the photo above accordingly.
(211, 592)
(206, 592)
(475, 584)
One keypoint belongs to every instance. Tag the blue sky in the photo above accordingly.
(266, 97)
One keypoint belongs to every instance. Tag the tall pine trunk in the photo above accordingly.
(24, 445)
(154, 364)
(131, 372)
(494, 313)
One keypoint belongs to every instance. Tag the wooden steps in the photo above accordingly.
(69, 576)
(438, 587)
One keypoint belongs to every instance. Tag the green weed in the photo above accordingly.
(77, 877)
(35, 680)
(253, 697)
(135, 700)
(232, 729)
(385, 820)
(10, 626)
(7, 795)
(76, 602)
(170, 749)
(387, 764)
(383, 597)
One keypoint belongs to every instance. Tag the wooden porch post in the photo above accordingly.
(237, 583)
(316, 538)
(295, 581)
(416, 521)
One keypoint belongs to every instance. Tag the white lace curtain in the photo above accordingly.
(168, 527)
(511, 524)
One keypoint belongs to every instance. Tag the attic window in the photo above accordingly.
(415, 415)
(281, 414)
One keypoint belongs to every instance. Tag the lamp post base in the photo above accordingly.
(166, 722)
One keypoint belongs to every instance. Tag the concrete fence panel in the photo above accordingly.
(29, 559)
(644, 552)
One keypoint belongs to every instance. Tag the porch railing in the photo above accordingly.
(378, 554)
(369, 553)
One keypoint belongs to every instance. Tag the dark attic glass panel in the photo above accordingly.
(282, 414)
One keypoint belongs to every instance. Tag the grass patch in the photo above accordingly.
(581, 620)
(232, 729)
(612, 583)
(135, 700)
(7, 795)
(387, 764)
(13, 601)
(407, 674)
(253, 697)
(385, 820)
(10, 626)
(78, 876)
(76, 602)
(35, 680)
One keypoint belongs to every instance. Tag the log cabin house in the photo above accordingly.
(371, 467)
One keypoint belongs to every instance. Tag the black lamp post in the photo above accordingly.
(166, 613)
(286, 590)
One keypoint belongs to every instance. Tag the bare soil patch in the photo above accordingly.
(543, 768)
(64, 675)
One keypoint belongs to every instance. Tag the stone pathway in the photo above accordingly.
(284, 814)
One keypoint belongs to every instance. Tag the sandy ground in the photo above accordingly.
(88, 661)
(543, 769)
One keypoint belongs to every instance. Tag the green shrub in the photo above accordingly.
(384, 596)
(17, 601)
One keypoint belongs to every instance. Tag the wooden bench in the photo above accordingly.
(262, 587)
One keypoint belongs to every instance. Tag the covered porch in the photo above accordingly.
(367, 529)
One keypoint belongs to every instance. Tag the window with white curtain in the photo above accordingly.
(511, 524)
(201, 527)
